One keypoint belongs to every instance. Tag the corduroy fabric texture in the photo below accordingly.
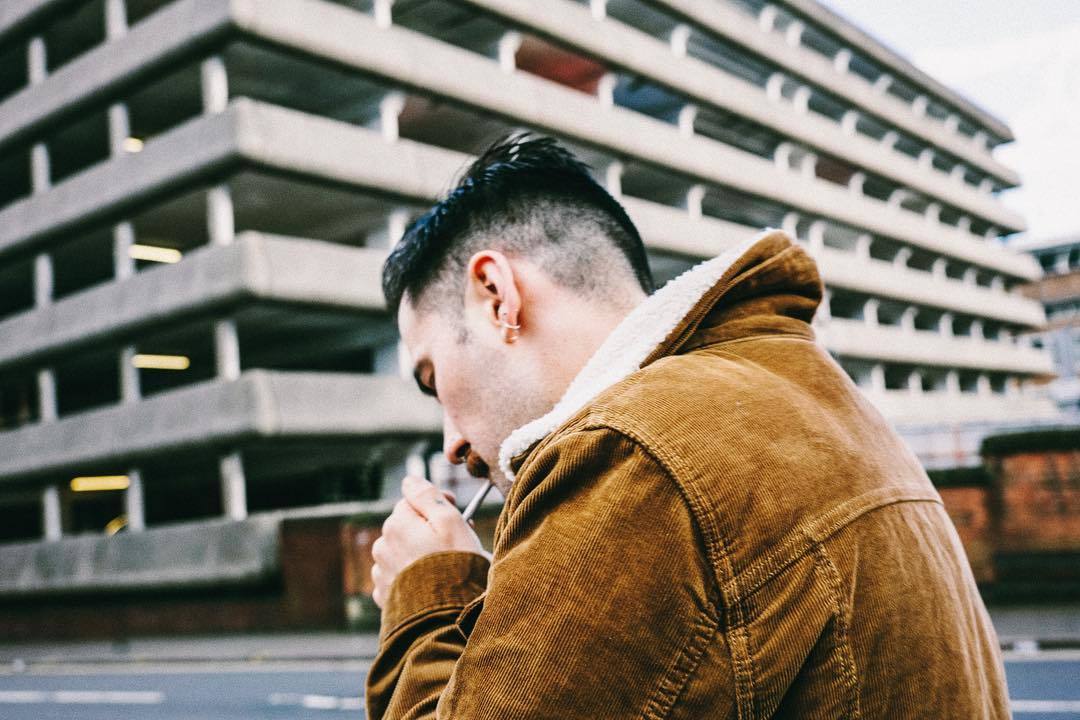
(732, 531)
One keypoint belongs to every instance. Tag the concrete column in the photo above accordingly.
(391, 106)
(793, 33)
(416, 460)
(991, 234)
(849, 122)
(220, 220)
(919, 105)
(877, 378)
(863, 244)
(970, 276)
(43, 279)
(383, 13)
(40, 170)
(901, 258)
(952, 382)
(986, 186)
(870, 312)
(889, 139)
(693, 200)
(883, 83)
(782, 155)
(982, 384)
(897, 197)
(215, 85)
(37, 65)
(134, 503)
(977, 330)
(509, 44)
(119, 129)
(914, 382)
(907, 319)
(605, 89)
(123, 239)
(824, 311)
(842, 60)
(679, 40)
(613, 178)
(51, 518)
(790, 224)
(226, 350)
(598, 8)
(957, 172)
(774, 87)
(816, 236)
(801, 99)
(933, 212)
(687, 115)
(926, 158)
(963, 224)
(233, 486)
(115, 19)
(856, 182)
(945, 324)
(130, 391)
(938, 268)
(952, 122)
(397, 220)
(46, 385)
(808, 165)
(981, 140)
(767, 18)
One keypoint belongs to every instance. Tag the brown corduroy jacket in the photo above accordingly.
(712, 523)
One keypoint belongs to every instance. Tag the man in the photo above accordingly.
(703, 516)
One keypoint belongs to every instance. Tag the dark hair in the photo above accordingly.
(524, 195)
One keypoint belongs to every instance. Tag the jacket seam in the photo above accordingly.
(758, 337)
(737, 629)
(761, 571)
(843, 627)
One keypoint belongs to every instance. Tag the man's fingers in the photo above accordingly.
(425, 498)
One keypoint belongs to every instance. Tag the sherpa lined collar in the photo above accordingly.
(656, 327)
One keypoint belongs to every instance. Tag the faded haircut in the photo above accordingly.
(525, 196)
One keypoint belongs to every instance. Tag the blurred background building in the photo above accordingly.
(198, 380)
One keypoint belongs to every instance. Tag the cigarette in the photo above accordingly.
(476, 500)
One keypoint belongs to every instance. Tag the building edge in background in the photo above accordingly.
(199, 384)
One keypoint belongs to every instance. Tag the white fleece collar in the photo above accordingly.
(622, 353)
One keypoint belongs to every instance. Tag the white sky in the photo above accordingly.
(1018, 59)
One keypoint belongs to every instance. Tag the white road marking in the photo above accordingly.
(317, 702)
(83, 697)
(1045, 706)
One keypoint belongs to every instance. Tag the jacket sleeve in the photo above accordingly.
(600, 601)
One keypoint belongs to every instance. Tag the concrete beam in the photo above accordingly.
(703, 83)
(260, 404)
(211, 553)
(211, 279)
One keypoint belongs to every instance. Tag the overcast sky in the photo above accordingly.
(1018, 59)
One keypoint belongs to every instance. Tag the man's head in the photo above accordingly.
(506, 287)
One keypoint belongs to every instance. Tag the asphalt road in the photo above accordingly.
(1043, 687)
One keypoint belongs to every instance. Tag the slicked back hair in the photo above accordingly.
(524, 196)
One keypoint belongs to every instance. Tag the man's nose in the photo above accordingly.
(455, 448)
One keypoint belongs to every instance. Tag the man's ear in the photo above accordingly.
(491, 280)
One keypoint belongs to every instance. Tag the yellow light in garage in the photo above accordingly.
(97, 483)
(145, 361)
(115, 525)
(133, 145)
(153, 253)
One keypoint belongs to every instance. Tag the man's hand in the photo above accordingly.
(424, 521)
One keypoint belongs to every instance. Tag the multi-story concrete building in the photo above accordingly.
(196, 197)
(1059, 292)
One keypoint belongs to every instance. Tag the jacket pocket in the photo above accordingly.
(467, 617)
